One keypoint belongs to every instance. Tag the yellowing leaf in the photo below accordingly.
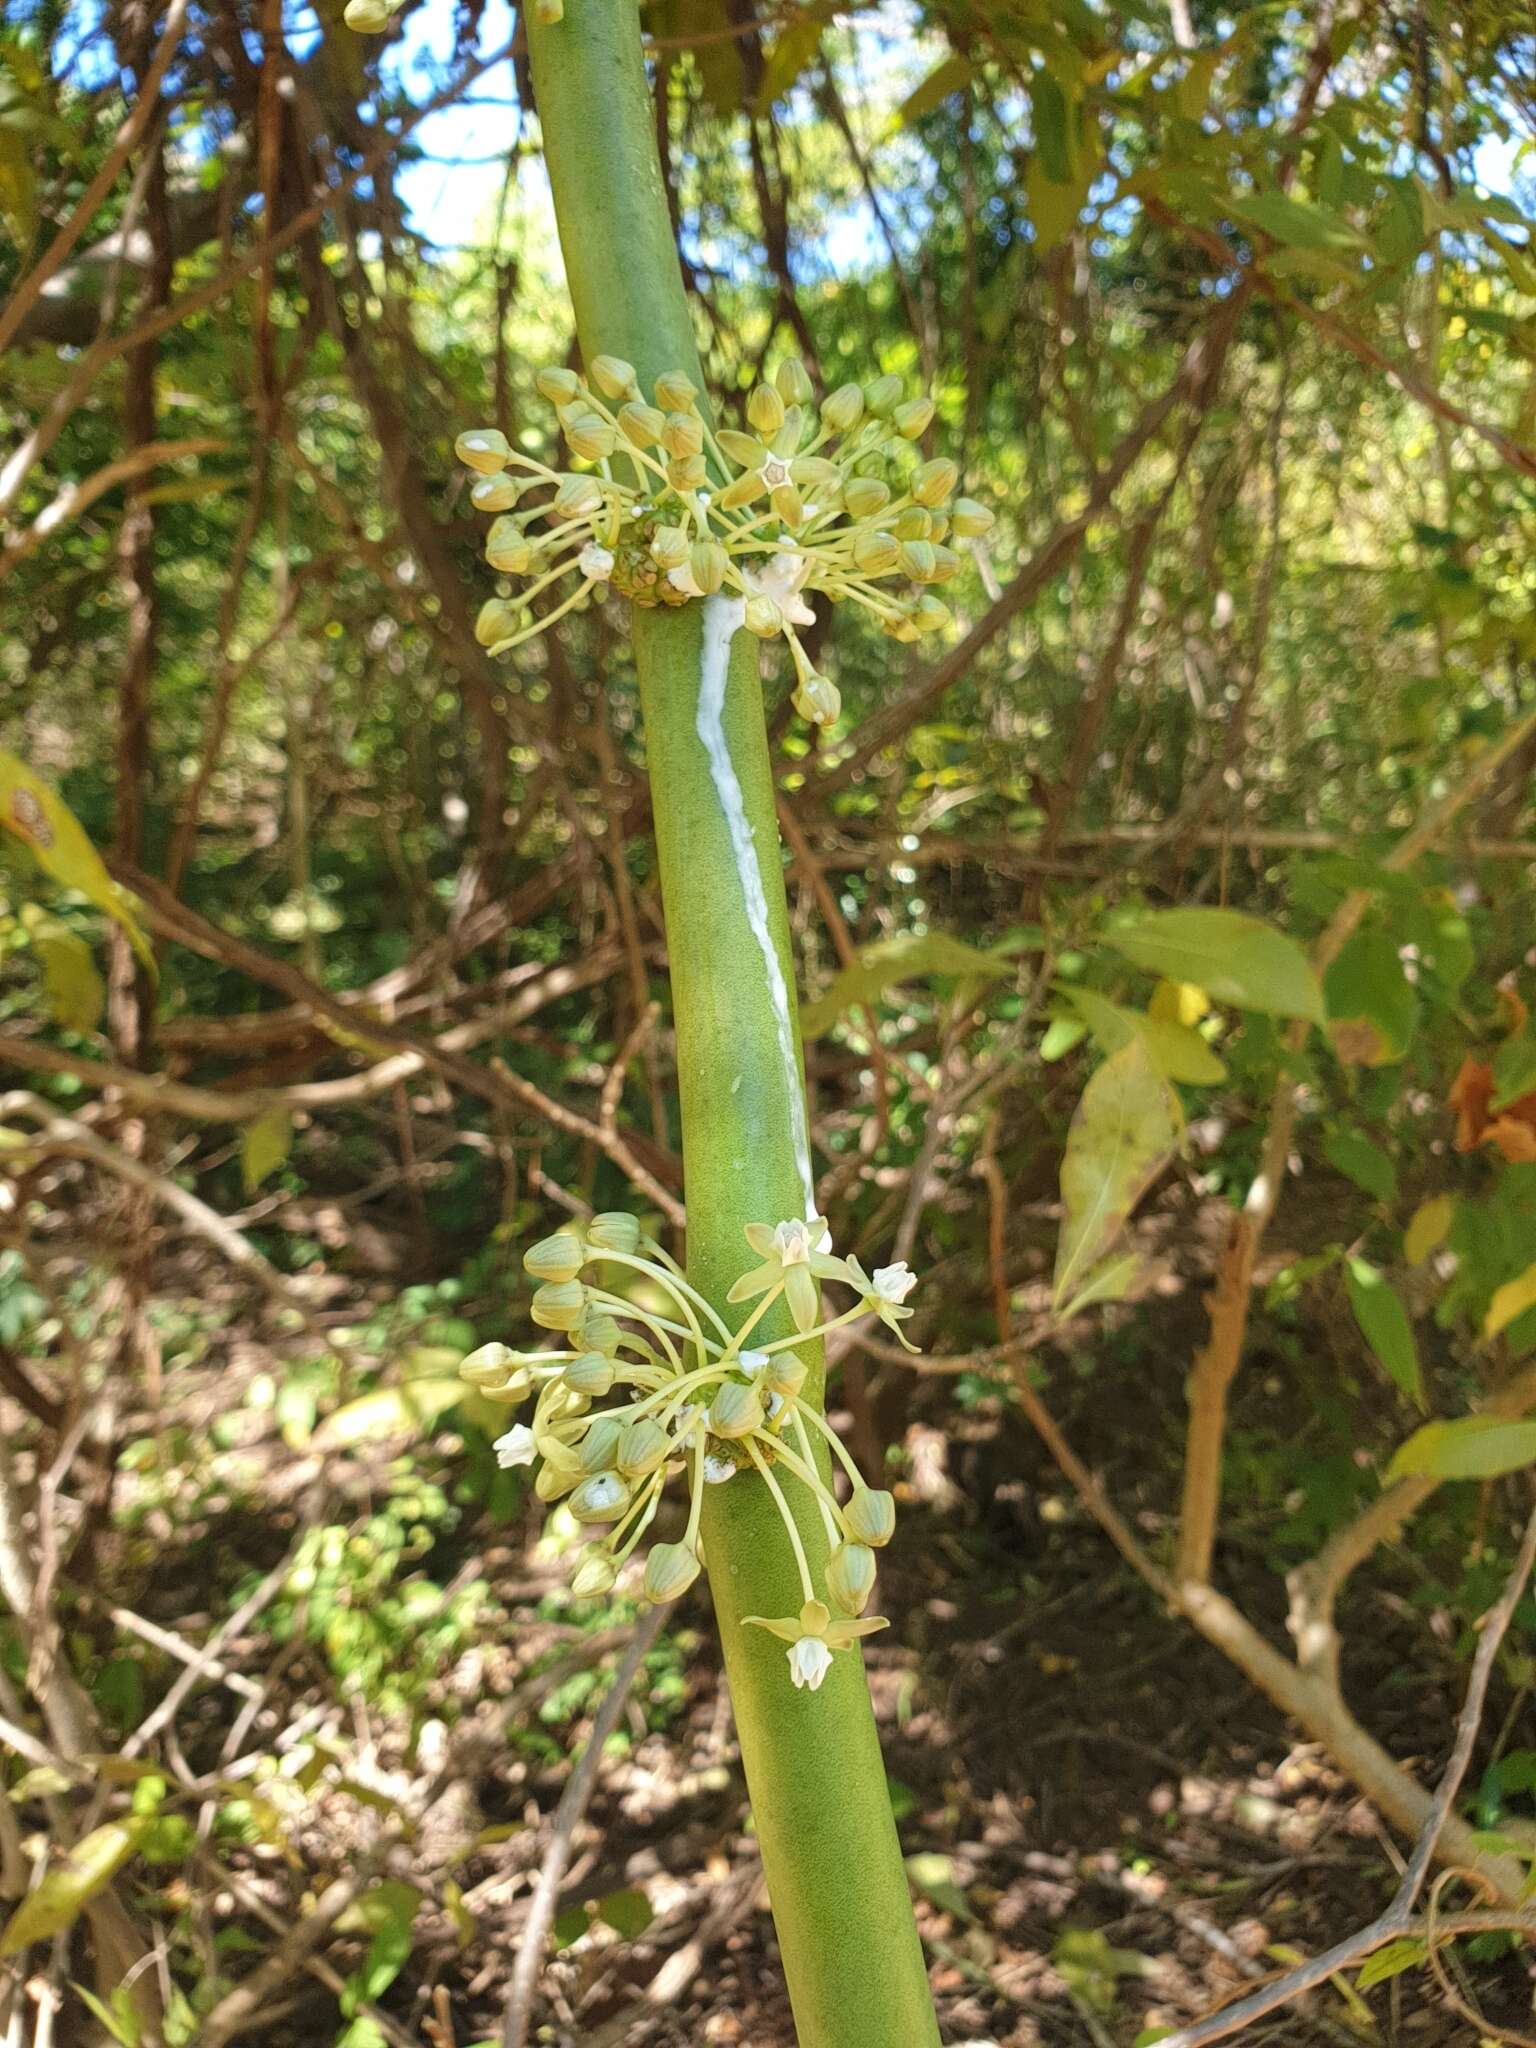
(953, 74)
(1428, 1228)
(264, 1145)
(1238, 959)
(889, 962)
(1509, 1301)
(36, 815)
(75, 990)
(1175, 1050)
(388, 1411)
(1179, 1002)
(88, 1868)
(1473, 1447)
(1124, 1131)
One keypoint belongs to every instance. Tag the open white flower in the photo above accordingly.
(812, 1636)
(595, 562)
(782, 577)
(517, 1447)
(809, 1662)
(893, 1283)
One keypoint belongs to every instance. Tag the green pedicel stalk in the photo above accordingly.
(710, 531)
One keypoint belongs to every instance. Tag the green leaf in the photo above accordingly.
(120, 2018)
(1509, 1301)
(1391, 1960)
(75, 990)
(56, 1901)
(1514, 1069)
(1472, 1447)
(953, 75)
(934, 1876)
(264, 1146)
(1054, 122)
(1372, 1008)
(1123, 1133)
(1174, 1049)
(1385, 1326)
(907, 957)
(1237, 959)
(1296, 223)
(569, 1926)
(794, 51)
(36, 815)
(627, 1913)
(1428, 1228)
(1111, 1281)
(1362, 1160)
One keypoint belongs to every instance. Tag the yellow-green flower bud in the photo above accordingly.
(932, 482)
(883, 395)
(669, 547)
(483, 449)
(876, 553)
(765, 409)
(817, 700)
(785, 1373)
(594, 1575)
(914, 522)
(917, 560)
(792, 382)
(931, 615)
(972, 520)
(557, 384)
(598, 1331)
(939, 526)
(674, 393)
(368, 17)
(946, 563)
(843, 408)
(670, 1570)
(642, 1447)
(900, 628)
(548, 12)
(489, 1366)
(870, 1516)
(687, 473)
(641, 424)
(864, 496)
(911, 420)
(555, 1258)
(559, 1305)
(590, 436)
(599, 1450)
(707, 563)
(591, 1374)
(577, 498)
(851, 1576)
(615, 1230)
(682, 435)
(602, 1498)
(787, 439)
(743, 449)
(614, 377)
(763, 617)
(735, 1411)
(497, 493)
(553, 1482)
(508, 548)
(496, 622)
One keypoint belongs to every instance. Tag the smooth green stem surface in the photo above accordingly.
(841, 1903)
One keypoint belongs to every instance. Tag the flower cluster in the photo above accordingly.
(692, 1398)
(830, 499)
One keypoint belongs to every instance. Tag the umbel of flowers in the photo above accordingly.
(807, 500)
(640, 1394)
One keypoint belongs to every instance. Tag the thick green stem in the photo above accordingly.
(835, 1876)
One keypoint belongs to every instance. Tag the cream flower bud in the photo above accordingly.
(594, 1575)
(876, 553)
(494, 493)
(483, 449)
(687, 473)
(765, 409)
(368, 17)
(614, 377)
(669, 547)
(946, 563)
(792, 382)
(682, 434)
(496, 622)
(560, 1257)
(735, 1410)
(559, 1305)
(595, 562)
(598, 1331)
(914, 522)
(817, 700)
(763, 617)
(553, 1482)
(972, 520)
(674, 393)
(912, 419)
(641, 424)
(870, 1516)
(599, 1449)
(590, 436)
(933, 482)
(931, 615)
(785, 1373)
(882, 396)
(670, 1570)
(602, 1498)
(707, 563)
(557, 384)
(843, 409)
(900, 628)
(591, 1374)
(548, 12)
(577, 498)
(615, 1230)
(864, 496)
(917, 560)
(642, 1447)
(489, 1366)
(851, 1576)
(508, 548)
